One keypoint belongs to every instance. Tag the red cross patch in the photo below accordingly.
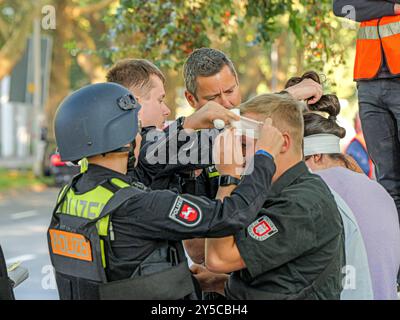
(262, 229)
(185, 212)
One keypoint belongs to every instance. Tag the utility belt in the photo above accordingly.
(77, 254)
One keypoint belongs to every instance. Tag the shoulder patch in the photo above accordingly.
(262, 229)
(185, 212)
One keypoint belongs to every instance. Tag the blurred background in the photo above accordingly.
(50, 47)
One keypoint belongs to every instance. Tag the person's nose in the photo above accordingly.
(166, 110)
(224, 101)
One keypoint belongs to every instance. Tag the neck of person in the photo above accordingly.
(284, 162)
(116, 161)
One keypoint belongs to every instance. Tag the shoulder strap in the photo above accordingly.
(64, 192)
(118, 199)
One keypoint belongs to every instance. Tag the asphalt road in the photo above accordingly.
(24, 218)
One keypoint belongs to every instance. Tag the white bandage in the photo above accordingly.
(236, 124)
(248, 127)
(321, 143)
(219, 124)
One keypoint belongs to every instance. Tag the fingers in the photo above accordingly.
(232, 116)
(195, 268)
(222, 113)
(317, 91)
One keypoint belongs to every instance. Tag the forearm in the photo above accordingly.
(195, 249)
(222, 255)
(246, 200)
(178, 149)
(363, 10)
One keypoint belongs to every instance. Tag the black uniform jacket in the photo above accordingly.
(168, 156)
(296, 237)
(153, 216)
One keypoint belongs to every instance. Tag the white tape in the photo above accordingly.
(219, 124)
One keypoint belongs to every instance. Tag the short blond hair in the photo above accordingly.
(285, 112)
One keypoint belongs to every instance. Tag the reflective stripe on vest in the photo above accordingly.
(89, 206)
(372, 37)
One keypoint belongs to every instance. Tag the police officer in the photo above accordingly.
(111, 240)
(294, 249)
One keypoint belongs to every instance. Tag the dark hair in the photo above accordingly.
(134, 73)
(204, 62)
(308, 75)
(315, 123)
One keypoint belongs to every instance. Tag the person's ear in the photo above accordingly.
(318, 159)
(190, 98)
(287, 142)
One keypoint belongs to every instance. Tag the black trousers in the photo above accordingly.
(379, 102)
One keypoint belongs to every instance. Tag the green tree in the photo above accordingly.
(168, 30)
(16, 19)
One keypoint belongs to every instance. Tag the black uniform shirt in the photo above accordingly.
(151, 217)
(294, 239)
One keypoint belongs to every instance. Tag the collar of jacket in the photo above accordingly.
(289, 176)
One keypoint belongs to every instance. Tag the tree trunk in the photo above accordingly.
(61, 64)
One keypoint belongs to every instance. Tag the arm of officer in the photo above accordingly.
(165, 151)
(163, 214)
(166, 215)
(222, 255)
(364, 10)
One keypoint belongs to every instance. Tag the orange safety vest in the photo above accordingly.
(373, 36)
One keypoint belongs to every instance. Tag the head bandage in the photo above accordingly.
(321, 143)
(245, 126)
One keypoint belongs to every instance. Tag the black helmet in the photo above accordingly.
(95, 119)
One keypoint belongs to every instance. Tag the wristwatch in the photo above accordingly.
(227, 181)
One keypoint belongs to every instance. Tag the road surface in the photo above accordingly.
(24, 218)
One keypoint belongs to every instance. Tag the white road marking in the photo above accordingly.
(23, 258)
(24, 214)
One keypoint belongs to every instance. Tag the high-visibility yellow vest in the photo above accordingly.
(89, 206)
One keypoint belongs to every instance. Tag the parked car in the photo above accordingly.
(62, 171)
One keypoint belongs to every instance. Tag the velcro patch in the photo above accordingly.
(185, 212)
(70, 245)
(262, 229)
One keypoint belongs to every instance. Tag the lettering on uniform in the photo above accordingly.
(70, 245)
(262, 229)
(185, 212)
(82, 208)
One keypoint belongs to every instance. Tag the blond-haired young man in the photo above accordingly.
(294, 249)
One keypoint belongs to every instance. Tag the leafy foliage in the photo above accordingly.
(167, 30)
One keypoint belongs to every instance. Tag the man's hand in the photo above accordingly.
(209, 281)
(397, 9)
(306, 90)
(227, 153)
(271, 139)
(204, 117)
